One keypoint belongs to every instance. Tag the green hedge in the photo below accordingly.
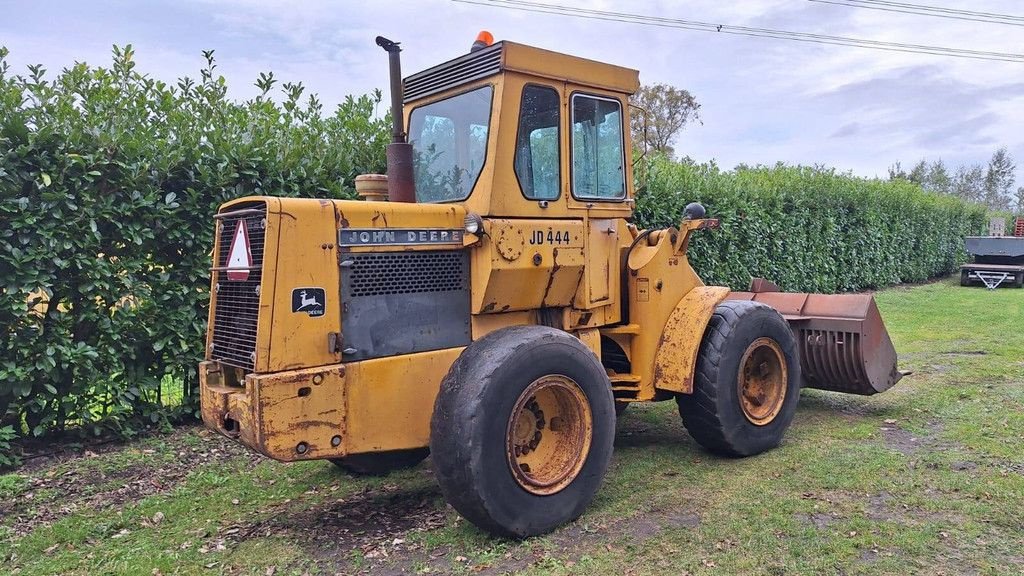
(109, 178)
(108, 181)
(810, 229)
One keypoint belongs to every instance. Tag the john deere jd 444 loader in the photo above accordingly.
(499, 308)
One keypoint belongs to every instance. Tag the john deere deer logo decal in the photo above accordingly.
(311, 301)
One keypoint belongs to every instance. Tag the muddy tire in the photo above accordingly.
(747, 381)
(522, 430)
(380, 463)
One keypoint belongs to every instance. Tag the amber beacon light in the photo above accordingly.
(483, 40)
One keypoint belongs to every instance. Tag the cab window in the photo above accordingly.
(598, 162)
(449, 142)
(537, 160)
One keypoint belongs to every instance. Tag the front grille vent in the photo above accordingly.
(384, 273)
(462, 70)
(237, 302)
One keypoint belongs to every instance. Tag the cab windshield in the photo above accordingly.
(449, 141)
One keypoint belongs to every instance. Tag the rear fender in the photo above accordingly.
(676, 358)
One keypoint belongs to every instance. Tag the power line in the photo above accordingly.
(528, 6)
(941, 9)
(592, 14)
(924, 10)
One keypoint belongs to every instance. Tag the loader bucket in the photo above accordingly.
(841, 339)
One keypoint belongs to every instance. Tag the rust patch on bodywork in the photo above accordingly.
(271, 412)
(555, 267)
(680, 341)
(378, 215)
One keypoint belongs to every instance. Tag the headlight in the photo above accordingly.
(474, 223)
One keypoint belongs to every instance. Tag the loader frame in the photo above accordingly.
(364, 332)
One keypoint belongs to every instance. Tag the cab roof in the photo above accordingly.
(509, 56)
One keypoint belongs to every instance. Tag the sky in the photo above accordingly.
(763, 100)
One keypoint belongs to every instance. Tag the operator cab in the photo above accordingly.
(569, 151)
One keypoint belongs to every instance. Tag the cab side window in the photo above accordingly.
(598, 163)
(537, 162)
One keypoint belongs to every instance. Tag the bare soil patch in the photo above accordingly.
(377, 524)
(900, 440)
(819, 520)
(569, 543)
(53, 493)
(393, 551)
(909, 443)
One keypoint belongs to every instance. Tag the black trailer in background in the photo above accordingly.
(998, 258)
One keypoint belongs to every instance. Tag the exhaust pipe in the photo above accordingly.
(401, 184)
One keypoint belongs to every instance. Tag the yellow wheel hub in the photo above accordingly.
(762, 381)
(548, 434)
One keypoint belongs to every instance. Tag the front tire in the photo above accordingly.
(747, 381)
(522, 430)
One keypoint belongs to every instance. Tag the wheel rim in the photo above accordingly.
(762, 382)
(548, 434)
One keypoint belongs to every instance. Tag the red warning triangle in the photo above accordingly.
(239, 256)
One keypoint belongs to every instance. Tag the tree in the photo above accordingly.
(896, 172)
(969, 183)
(668, 110)
(999, 180)
(938, 180)
(990, 185)
(919, 174)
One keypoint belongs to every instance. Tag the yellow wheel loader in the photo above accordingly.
(499, 307)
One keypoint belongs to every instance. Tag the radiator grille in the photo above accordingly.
(404, 302)
(381, 274)
(236, 302)
(461, 70)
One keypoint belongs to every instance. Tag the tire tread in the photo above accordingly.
(703, 413)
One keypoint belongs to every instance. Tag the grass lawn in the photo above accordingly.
(927, 478)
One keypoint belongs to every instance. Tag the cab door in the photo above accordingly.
(599, 188)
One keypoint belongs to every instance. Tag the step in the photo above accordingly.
(623, 329)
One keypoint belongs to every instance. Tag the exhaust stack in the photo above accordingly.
(401, 184)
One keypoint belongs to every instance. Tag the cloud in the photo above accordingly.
(762, 100)
(845, 130)
(963, 129)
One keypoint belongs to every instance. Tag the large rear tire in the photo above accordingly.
(380, 463)
(747, 381)
(522, 430)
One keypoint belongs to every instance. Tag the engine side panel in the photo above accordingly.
(404, 302)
